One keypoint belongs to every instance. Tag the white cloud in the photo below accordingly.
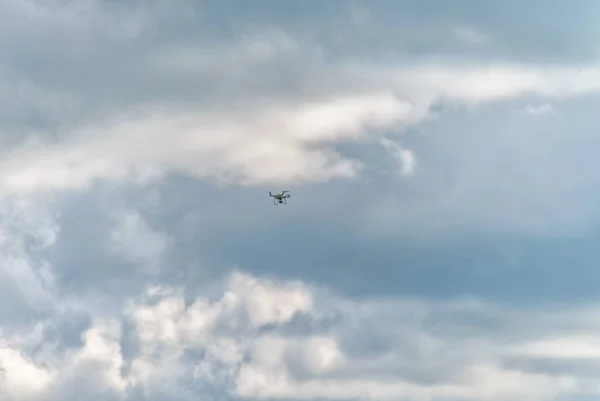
(220, 108)
(405, 158)
(20, 378)
(98, 362)
(171, 322)
(256, 147)
(28, 227)
(265, 106)
(244, 337)
(563, 348)
(235, 353)
(90, 370)
(269, 364)
(269, 143)
(137, 241)
(268, 108)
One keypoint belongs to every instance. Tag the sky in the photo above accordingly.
(440, 242)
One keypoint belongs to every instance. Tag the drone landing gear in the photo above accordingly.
(276, 202)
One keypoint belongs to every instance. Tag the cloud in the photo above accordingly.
(136, 139)
(229, 110)
(28, 228)
(20, 376)
(540, 110)
(242, 146)
(242, 149)
(241, 342)
(405, 158)
(259, 338)
(133, 238)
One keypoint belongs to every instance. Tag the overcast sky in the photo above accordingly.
(440, 244)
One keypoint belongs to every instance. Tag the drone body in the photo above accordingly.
(280, 198)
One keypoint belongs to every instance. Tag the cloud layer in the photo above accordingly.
(255, 338)
(439, 244)
(246, 116)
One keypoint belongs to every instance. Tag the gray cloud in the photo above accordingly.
(141, 259)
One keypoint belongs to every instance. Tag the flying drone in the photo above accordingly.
(280, 198)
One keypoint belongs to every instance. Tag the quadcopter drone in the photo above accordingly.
(280, 198)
